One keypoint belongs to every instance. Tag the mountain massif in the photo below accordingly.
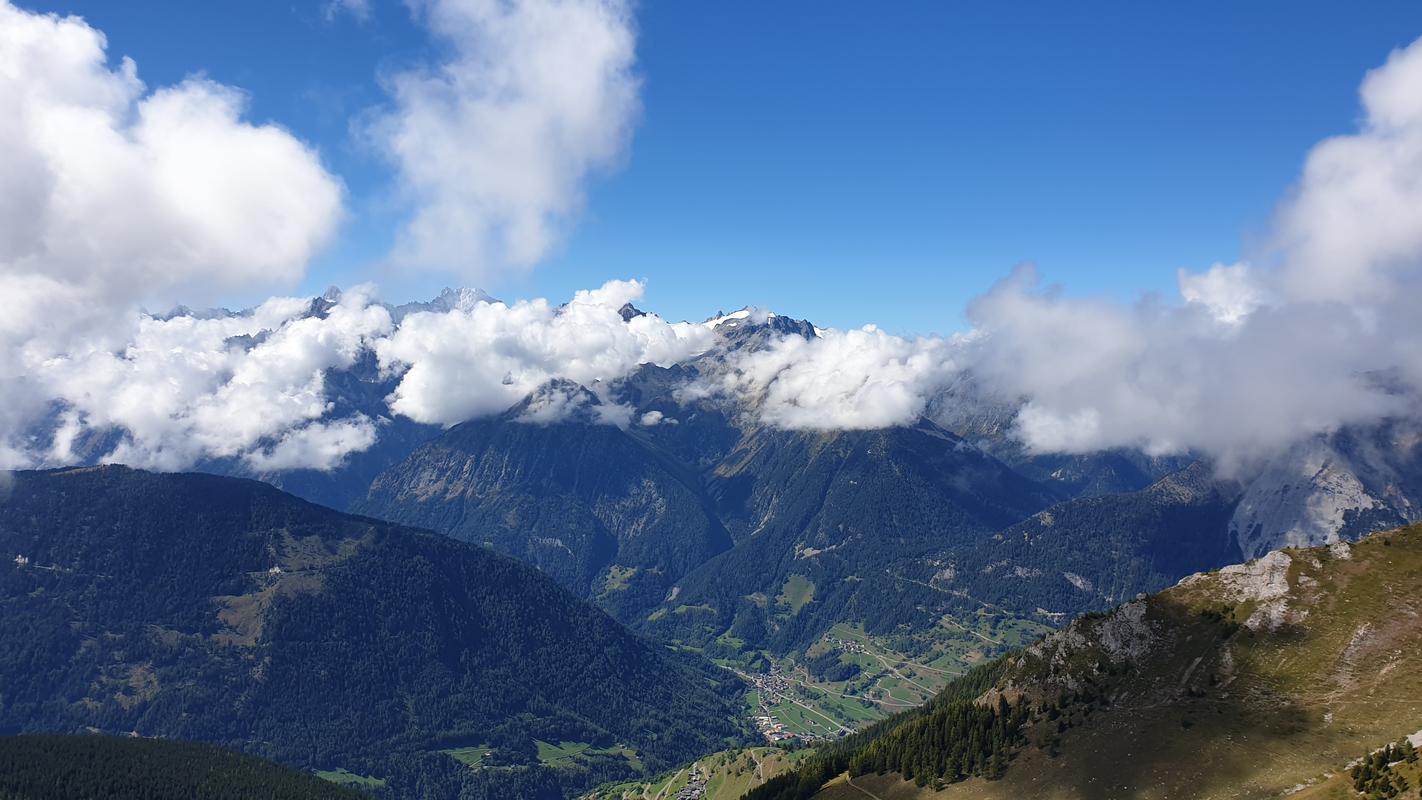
(648, 527)
(681, 526)
(596, 506)
(670, 500)
(222, 610)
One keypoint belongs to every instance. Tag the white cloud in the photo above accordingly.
(1249, 361)
(493, 145)
(1095, 375)
(1228, 292)
(316, 445)
(1258, 357)
(120, 195)
(483, 359)
(840, 379)
(252, 386)
(112, 195)
(1353, 226)
(188, 388)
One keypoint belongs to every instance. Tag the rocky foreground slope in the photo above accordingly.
(1258, 680)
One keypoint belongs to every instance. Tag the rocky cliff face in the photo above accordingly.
(596, 506)
(1332, 487)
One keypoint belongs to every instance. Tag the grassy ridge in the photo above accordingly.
(726, 775)
(1248, 682)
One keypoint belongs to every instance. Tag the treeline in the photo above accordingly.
(1375, 778)
(949, 738)
(953, 743)
(94, 767)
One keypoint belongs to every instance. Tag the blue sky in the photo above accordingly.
(853, 163)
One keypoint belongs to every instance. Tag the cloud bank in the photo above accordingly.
(1324, 334)
(493, 145)
(840, 379)
(113, 195)
(481, 360)
(253, 386)
(1251, 358)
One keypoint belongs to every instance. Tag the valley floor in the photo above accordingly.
(720, 776)
(789, 704)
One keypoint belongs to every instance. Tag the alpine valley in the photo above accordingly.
(642, 588)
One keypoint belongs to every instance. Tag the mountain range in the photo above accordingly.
(679, 512)
(713, 508)
(528, 603)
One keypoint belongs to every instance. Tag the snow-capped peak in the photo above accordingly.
(462, 299)
(754, 316)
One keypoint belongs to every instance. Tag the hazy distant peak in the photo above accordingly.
(449, 299)
(463, 298)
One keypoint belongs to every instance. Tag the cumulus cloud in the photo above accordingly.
(1228, 292)
(1322, 335)
(115, 194)
(248, 386)
(1352, 229)
(484, 358)
(1170, 379)
(253, 386)
(112, 195)
(493, 145)
(1251, 358)
(862, 378)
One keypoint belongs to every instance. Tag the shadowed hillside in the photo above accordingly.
(42, 767)
(222, 610)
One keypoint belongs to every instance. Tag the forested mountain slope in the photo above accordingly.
(223, 610)
(1092, 552)
(831, 511)
(48, 767)
(594, 505)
